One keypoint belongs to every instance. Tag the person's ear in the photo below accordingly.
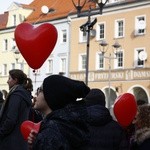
(16, 81)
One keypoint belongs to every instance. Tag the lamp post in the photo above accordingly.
(88, 26)
(103, 48)
(17, 55)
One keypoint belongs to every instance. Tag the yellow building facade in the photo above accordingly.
(115, 72)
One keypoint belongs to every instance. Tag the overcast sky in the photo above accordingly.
(6, 3)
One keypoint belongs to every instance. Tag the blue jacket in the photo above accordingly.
(16, 110)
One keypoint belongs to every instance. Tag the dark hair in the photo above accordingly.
(21, 78)
(140, 102)
(143, 116)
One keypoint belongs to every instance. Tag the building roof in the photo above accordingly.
(58, 9)
(3, 20)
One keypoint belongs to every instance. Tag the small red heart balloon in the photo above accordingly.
(35, 43)
(125, 109)
(27, 126)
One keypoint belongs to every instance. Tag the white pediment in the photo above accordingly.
(14, 6)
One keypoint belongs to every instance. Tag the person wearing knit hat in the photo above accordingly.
(65, 119)
(60, 91)
(102, 126)
(94, 97)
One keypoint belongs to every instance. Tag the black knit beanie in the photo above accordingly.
(95, 97)
(60, 91)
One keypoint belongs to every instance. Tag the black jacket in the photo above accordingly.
(105, 133)
(16, 110)
(64, 129)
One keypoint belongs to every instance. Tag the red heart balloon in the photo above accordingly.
(125, 109)
(35, 43)
(27, 126)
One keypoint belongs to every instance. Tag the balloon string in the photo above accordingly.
(34, 71)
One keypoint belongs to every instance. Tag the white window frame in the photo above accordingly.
(98, 55)
(63, 36)
(63, 65)
(5, 45)
(116, 60)
(136, 57)
(21, 65)
(82, 36)
(13, 66)
(137, 30)
(117, 28)
(81, 68)
(4, 69)
(49, 66)
(13, 44)
(14, 20)
(98, 30)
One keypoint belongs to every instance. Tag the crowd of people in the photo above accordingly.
(72, 116)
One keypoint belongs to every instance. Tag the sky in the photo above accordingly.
(6, 3)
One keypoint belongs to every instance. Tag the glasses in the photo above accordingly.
(40, 89)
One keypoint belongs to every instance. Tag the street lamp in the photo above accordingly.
(88, 26)
(17, 55)
(103, 49)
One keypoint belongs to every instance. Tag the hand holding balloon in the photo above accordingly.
(125, 109)
(31, 138)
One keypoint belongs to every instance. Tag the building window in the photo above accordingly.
(13, 44)
(63, 65)
(101, 31)
(13, 66)
(5, 44)
(82, 62)
(140, 24)
(14, 20)
(64, 36)
(83, 36)
(50, 66)
(4, 70)
(119, 59)
(119, 28)
(21, 66)
(100, 61)
(138, 61)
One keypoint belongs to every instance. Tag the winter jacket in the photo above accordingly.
(105, 133)
(15, 111)
(64, 129)
(1, 102)
(142, 139)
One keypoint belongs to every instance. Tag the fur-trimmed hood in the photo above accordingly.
(142, 134)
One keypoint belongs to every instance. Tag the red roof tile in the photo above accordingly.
(3, 20)
(61, 9)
